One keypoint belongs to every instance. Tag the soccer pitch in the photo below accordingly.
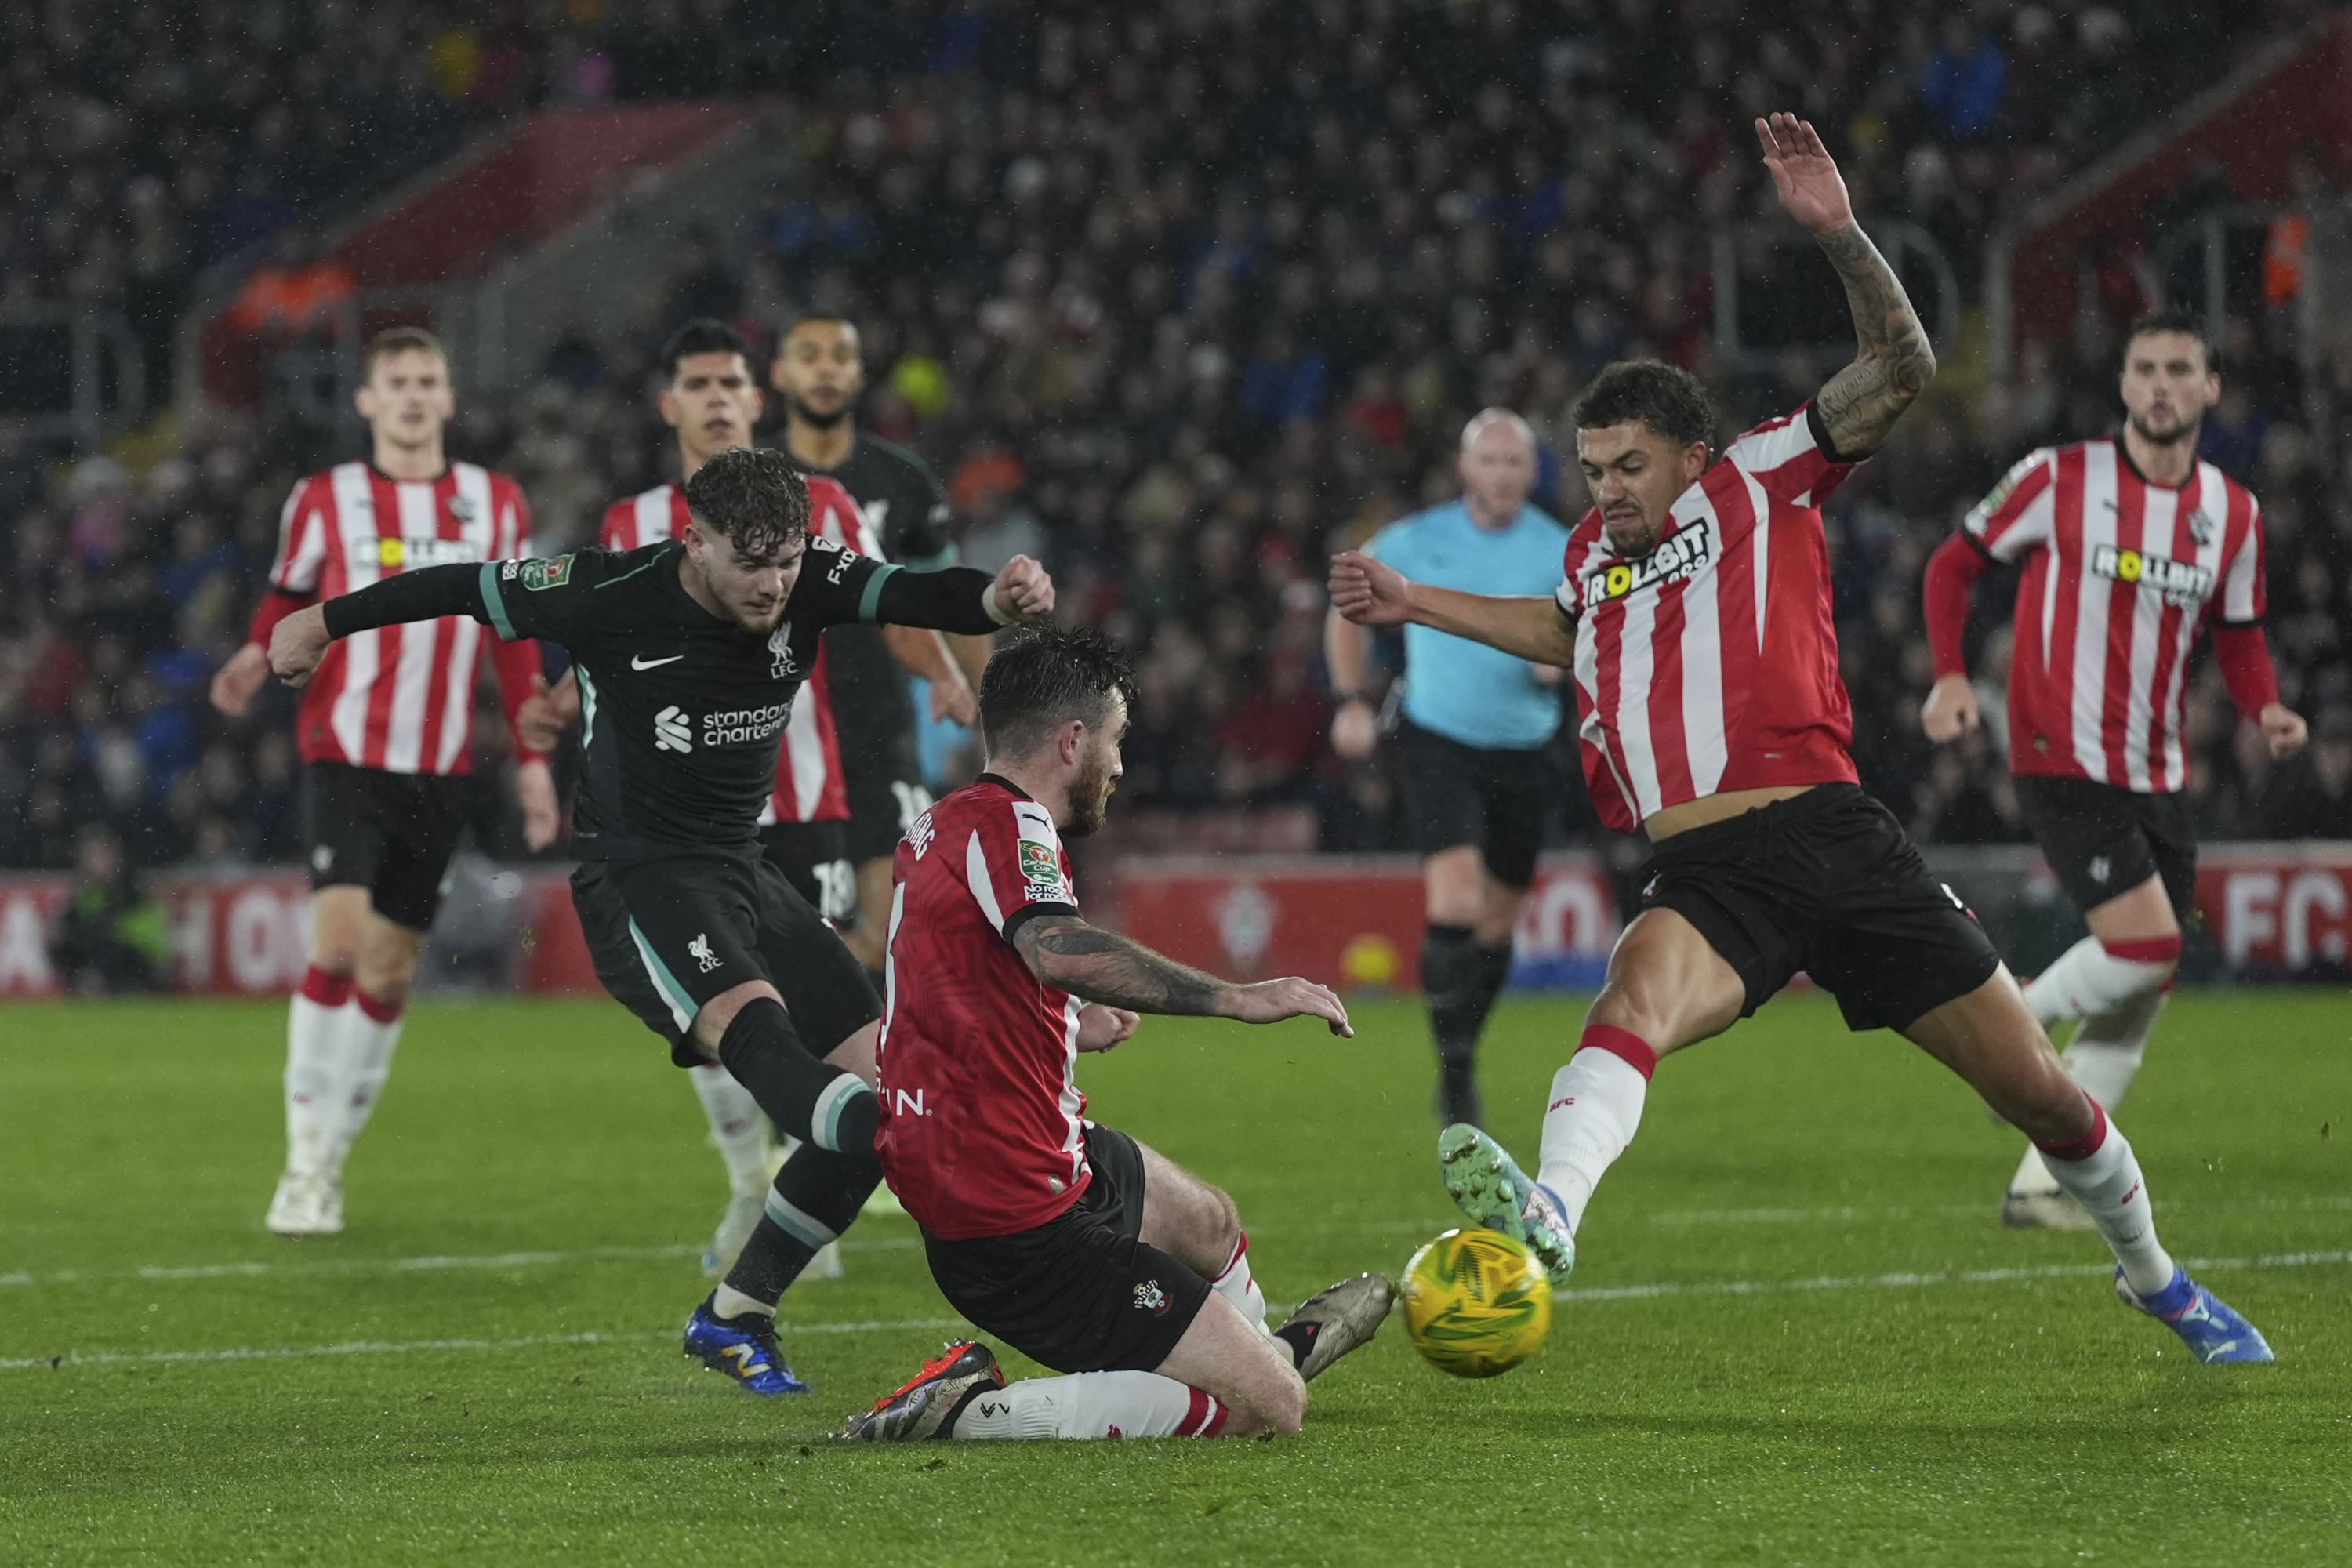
(1798, 1331)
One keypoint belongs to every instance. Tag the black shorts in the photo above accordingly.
(1078, 1293)
(815, 858)
(1827, 882)
(2103, 840)
(391, 834)
(887, 792)
(1496, 798)
(668, 935)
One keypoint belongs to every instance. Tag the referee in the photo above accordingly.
(1476, 728)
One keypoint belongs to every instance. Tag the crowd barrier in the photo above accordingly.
(2266, 912)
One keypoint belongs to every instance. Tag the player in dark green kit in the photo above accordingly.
(690, 655)
(819, 371)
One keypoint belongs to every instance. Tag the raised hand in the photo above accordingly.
(235, 682)
(1368, 592)
(1271, 1001)
(299, 644)
(1804, 174)
(1022, 593)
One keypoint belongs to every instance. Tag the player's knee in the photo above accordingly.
(1286, 1403)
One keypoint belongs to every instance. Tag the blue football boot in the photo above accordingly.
(2212, 1330)
(744, 1347)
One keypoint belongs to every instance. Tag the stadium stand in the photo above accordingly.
(1182, 297)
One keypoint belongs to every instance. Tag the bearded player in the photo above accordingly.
(1076, 1245)
(1695, 614)
(2132, 547)
(383, 733)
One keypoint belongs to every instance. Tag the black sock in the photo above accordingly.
(1449, 988)
(1453, 989)
(801, 1094)
(818, 1192)
(1300, 1338)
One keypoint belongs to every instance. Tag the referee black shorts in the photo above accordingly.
(1081, 1292)
(2102, 840)
(390, 833)
(1495, 797)
(668, 935)
(1827, 882)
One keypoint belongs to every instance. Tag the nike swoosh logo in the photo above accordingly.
(638, 661)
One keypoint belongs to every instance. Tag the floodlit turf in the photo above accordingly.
(485, 1366)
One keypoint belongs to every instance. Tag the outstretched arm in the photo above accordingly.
(299, 640)
(1373, 594)
(1107, 968)
(1860, 404)
(959, 599)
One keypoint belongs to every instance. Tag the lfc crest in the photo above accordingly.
(780, 654)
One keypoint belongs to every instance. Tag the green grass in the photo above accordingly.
(2024, 1418)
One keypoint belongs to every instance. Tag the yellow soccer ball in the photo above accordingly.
(1475, 1303)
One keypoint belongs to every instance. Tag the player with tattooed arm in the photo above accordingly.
(1696, 617)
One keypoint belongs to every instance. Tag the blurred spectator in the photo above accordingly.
(2310, 796)
(1180, 297)
(112, 937)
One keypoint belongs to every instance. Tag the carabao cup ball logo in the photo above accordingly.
(1475, 1303)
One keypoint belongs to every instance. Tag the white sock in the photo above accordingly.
(1596, 1107)
(370, 1034)
(2103, 1174)
(314, 1070)
(2102, 1058)
(1093, 1405)
(729, 1303)
(2088, 980)
(737, 1125)
(1238, 1286)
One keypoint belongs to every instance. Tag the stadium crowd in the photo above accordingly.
(1181, 299)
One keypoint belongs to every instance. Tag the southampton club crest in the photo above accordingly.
(1150, 1298)
(780, 654)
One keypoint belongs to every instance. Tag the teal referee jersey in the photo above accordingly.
(1455, 688)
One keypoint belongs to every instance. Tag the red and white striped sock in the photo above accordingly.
(2093, 977)
(737, 1126)
(1238, 1286)
(372, 1033)
(2101, 1173)
(314, 1067)
(1093, 1405)
(1596, 1108)
(2102, 1059)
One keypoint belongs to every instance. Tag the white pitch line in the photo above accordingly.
(412, 1347)
(1941, 1277)
(256, 1269)
(1612, 1293)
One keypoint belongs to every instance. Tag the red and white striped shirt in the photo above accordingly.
(1711, 663)
(810, 785)
(397, 698)
(2120, 573)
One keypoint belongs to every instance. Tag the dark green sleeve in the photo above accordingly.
(557, 596)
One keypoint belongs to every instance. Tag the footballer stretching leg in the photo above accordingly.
(1768, 856)
(1067, 1239)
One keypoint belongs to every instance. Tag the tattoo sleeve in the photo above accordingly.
(1860, 404)
(1106, 967)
